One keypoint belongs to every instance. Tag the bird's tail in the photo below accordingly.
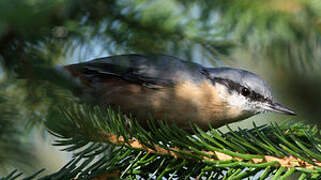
(59, 75)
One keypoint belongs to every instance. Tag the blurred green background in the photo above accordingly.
(277, 39)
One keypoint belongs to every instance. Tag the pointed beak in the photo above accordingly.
(279, 108)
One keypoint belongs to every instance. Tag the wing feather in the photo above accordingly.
(156, 71)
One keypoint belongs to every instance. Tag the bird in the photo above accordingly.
(168, 89)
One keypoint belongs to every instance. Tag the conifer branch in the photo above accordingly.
(278, 150)
(211, 156)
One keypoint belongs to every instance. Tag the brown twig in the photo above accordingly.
(286, 161)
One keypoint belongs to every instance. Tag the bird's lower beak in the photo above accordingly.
(279, 108)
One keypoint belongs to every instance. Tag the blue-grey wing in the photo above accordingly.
(152, 71)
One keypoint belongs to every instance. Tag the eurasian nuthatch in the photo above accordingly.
(167, 88)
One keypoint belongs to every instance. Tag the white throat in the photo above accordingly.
(234, 100)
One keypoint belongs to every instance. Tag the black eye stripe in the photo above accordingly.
(257, 97)
(237, 87)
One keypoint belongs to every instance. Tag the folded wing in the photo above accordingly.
(155, 71)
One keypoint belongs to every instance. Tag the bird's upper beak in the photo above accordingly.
(279, 108)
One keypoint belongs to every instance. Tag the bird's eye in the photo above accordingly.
(245, 91)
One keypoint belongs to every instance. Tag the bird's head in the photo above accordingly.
(244, 92)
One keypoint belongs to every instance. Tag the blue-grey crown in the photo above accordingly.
(238, 78)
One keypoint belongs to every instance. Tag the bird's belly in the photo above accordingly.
(182, 104)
